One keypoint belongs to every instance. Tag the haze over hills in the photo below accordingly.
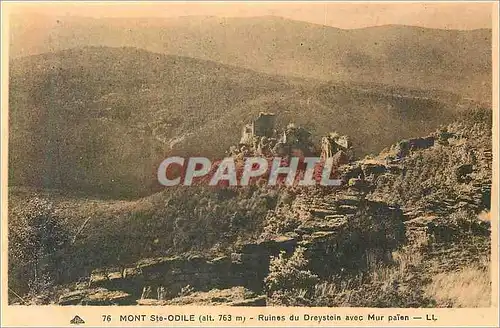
(103, 118)
(96, 104)
(397, 55)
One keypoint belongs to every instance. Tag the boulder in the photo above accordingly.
(106, 297)
(96, 296)
(256, 301)
(373, 169)
(98, 278)
(421, 143)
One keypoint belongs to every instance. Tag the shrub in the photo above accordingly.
(395, 285)
(279, 221)
(36, 238)
(289, 282)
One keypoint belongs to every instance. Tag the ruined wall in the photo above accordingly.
(334, 143)
(247, 134)
(264, 125)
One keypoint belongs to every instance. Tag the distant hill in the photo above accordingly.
(101, 119)
(451, 60)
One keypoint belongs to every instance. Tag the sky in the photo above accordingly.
(444, 15)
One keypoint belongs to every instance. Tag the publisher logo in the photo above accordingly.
(77, 320)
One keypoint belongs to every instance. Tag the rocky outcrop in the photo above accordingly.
(236, 296)
(96, 296)
(344, 227)
(174, 273)
(337, 230)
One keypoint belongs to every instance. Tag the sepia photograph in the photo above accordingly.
(251, 154)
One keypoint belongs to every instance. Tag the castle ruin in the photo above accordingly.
(262, 126)
(335, 143)
(261, 138)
